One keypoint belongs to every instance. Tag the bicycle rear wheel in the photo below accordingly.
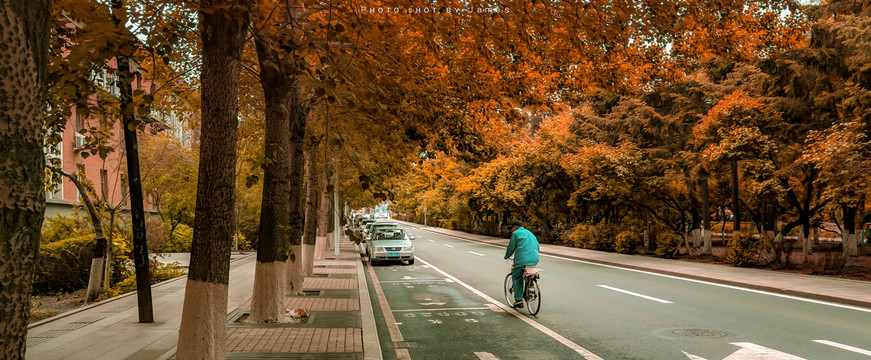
(509, 290)
(533, 297)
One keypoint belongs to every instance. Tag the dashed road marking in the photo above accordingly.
(845, 347)
(431, 240)
(485, 356)
(475, 253)
(449, 245)
(636, 294)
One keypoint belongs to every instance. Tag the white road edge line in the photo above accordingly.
(474, 253)
(635, 294)
(575, 347)
(448, 245)
(733, 287)
(845, 347)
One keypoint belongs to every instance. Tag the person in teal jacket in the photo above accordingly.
(524, 247)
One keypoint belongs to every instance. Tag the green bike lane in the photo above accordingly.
(424, 314)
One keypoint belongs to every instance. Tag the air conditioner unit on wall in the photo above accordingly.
(80, 141)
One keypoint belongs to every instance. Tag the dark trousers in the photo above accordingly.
(517, 276)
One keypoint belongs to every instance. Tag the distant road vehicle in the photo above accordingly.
(390, 244)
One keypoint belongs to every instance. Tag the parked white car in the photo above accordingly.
(390, 244)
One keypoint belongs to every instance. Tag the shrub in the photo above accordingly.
(579, 236)
(743, 249)
(627, 241)
(828, 263)
(180, 240)
(158, 272)
(63, 265)
(655, 232)
(65, 227)
(667, 244)
(244, 245)
(603, 237)
(156, 233)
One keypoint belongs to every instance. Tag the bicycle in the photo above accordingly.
(531, 291)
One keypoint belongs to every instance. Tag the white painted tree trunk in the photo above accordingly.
(308, 263)
(204, 320)
(320, 247)
(697, 238)
(267, 304)
(851, 246)
(294, 278)
(330, 242)
(708, 247)
(96, 278)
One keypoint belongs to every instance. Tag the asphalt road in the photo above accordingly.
(449, 305)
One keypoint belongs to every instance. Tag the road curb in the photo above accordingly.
(371, 344)
(111, 299)
(772, 289)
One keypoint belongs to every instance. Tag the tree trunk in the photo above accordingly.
(848, 237)
(803, 240)
(96, 275)
(736, 212)
(706, 212)
(311, 214)
(223, 26)
(325, 206)
(24, 55)
(107, 264)
(267, 304)
(137, 210)
(298, 117)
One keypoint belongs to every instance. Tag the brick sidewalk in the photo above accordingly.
(334, 329)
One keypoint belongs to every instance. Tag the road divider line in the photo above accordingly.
(449, 245)
(554, 335)
(412, 281)
(636, 294)
(431, 240)
(474, 253)
(844, 347)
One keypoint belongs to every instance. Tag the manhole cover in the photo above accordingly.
(311, 293)
(698, 333)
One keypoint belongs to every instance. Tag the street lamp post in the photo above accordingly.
(424, 211)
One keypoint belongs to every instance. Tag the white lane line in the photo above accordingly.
(733, 287)
(636, 294)
(845, 347)
(431, 240)
(575, 347)
(449, 245)
(485, 356)
(474, 253)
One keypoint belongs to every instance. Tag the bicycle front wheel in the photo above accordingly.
(509, 290)
(533, 297)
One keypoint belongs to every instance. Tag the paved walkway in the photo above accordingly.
(853, 292)
(338, 326)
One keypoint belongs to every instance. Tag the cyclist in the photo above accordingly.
(524, 247)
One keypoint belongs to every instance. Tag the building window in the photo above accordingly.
(80, 175)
